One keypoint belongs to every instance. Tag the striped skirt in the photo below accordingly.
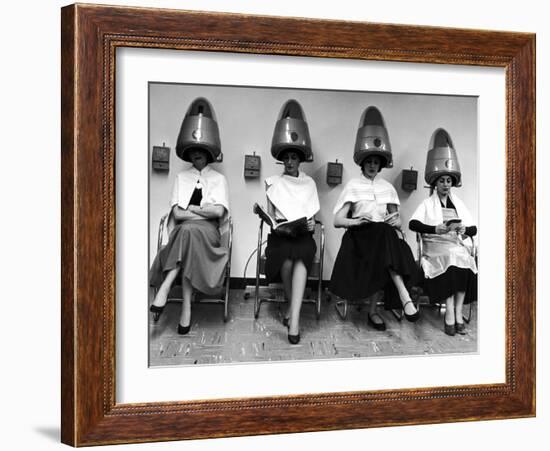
(194, 247)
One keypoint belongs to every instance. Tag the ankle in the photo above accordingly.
(161, 298)
(409, 306)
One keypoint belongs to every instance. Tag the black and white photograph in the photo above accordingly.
(246, 225)
(301, 224)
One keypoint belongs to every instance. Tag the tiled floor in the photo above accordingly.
(244, 339)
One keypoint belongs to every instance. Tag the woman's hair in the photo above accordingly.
(299, 152)
(200, 149)
(453, 179)
(432, 186)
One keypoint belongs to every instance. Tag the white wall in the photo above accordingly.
(246, 118)
(30, 329)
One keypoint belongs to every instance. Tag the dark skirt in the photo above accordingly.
(194, 247)
(365, 256)
(450, 282)
(281, 248)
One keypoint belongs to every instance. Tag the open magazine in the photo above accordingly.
(287, 228)
(370, 218)
(450, 222)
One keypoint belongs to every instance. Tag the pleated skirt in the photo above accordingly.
(450, 282)
(362, 265)
(194, 247)
(281, 248)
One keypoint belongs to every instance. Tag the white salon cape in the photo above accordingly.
(292, 197)
(439, 252)
(214, 191)
(368, 198)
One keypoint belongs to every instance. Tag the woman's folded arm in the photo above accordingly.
(416, 226)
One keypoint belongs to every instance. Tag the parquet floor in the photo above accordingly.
(244, 339)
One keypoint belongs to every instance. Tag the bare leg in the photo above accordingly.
(408, 306)
(299, 278)
(162, 293)
(459, 302)
(286, 275)
(187, 290)
(450, 310)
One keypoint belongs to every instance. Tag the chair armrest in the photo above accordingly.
(420, 245)
(162, 225)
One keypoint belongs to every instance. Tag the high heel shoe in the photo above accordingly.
(414, 317)
(449, 328)
(460, 328)
(378, 326)
(183, 330)
(156, 311)
(286, 322)
(294, 339)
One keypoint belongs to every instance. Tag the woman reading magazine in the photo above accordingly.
(291, 196)
(372, 257)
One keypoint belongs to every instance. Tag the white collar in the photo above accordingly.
(374, 181)
(204, 171)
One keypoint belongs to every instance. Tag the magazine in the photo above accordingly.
(450, 222)
(286, 228)
(370, 218)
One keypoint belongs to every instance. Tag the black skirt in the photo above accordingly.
(365, 256)
(450, 282)
(281, 248)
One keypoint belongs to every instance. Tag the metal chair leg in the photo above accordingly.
(257, 300)
(469, 318)
(341, 307)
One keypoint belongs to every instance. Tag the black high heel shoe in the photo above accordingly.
(414, 317)
(156, 311)
(450, 329)
(378, 326)
(183, 330)
(294, 339)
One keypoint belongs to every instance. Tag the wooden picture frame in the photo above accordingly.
(90, 37)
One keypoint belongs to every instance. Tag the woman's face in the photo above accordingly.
(371, 166)
(443, 185)
(198, 158)
(291, 160)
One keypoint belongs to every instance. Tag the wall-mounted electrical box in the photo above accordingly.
(161, 158)
(409, 179)
(252, 165)
(334, 173)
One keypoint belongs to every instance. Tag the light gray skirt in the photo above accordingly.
(194, 247)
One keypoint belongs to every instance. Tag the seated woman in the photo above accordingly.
(372, 257)
(290, 196)
(450, 271)
(199, 209)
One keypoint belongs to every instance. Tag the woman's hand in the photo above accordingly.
(441, 229)
(461, 229)
(311, 224)
(181, 214)
(208, 211)
(356, 222)
(394, 221)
